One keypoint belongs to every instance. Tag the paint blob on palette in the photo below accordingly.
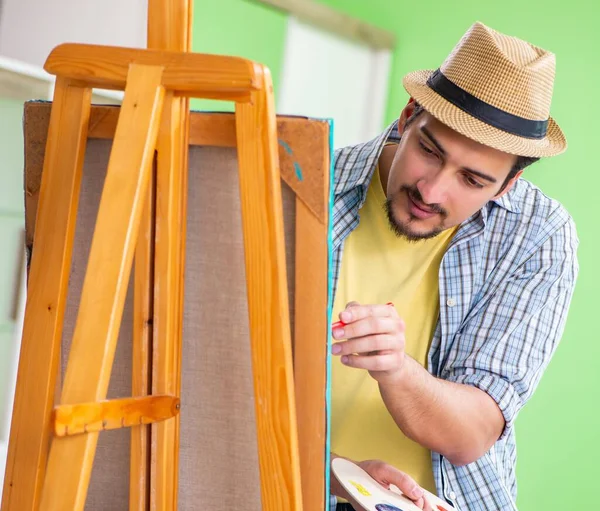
(374, 497)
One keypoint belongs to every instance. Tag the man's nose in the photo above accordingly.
(434, 188)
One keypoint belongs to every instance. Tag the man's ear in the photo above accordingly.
(509, 185)
(406, 113)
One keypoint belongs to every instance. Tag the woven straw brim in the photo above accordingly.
(553, 144)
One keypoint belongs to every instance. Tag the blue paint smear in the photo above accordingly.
(298, 170)
(329, 314)
(287, 148)
(297, 167)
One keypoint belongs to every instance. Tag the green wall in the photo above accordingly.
(241, 28)
(557, 431)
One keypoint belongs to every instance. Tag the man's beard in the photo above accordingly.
(403, 230)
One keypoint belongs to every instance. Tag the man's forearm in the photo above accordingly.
(458, 421)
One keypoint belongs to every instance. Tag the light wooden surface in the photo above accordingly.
(191, 74)
(143, 317)
(168, 281)
(331, 20)
(310, 353)
(169, 28)
(262, 221)
(170, 25)
(113, 414)
(105, 285)
(48, 283)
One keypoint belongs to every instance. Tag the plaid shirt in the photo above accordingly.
(505, 284)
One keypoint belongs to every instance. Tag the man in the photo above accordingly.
(480, 265)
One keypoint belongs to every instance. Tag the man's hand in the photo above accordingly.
(385, 475)
(375, 340)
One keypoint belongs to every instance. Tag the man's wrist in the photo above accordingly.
(400, 380)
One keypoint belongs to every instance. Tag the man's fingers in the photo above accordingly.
(365, 345)
(403, 482)
(368, 326)
(387, 361)
(355, 311)
(387, 475)
(423, 503)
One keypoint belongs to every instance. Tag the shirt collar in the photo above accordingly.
(509, 200)
(355, 164)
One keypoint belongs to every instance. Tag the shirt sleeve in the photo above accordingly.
(506, 346)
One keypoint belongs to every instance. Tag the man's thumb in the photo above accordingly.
(404, 482)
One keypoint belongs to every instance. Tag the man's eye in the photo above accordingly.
(425, 148)
(472, 181)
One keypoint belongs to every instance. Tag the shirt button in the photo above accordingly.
(450, 302)
(453, 495)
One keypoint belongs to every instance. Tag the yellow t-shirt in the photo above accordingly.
(378, 267)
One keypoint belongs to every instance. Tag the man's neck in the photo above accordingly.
(385, 164)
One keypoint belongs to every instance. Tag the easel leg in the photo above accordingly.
(48, 284)
(260, 192)
(169, 28)
(141, 385)
(105, 285)
(168, 306)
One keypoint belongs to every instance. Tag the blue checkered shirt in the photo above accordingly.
(505, 284)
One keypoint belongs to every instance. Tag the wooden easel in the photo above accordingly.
(155, 83)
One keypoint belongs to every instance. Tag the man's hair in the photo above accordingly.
(520, 164)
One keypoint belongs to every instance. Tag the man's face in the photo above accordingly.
(439, 178)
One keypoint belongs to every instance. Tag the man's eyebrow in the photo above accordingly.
(439, 147)
(432, 139)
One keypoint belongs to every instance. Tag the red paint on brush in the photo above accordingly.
(339, 324)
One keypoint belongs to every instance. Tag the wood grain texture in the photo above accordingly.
(262, 221)
(113, 414)
(189, 74)
(170, 25)
(169, 28)
(168, 306)
(47, 290)
(310, 353)
(105, 284)
(141, 384)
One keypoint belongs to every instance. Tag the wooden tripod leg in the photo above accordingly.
(48, 283)
(262, 221)
(169, 28)
(105, 284)
(143, 316)
(168, 307)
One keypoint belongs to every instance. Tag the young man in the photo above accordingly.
(480, 265)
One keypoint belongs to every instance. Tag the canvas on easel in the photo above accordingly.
(218, 454)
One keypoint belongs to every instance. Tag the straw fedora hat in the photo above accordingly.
(495, 89)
